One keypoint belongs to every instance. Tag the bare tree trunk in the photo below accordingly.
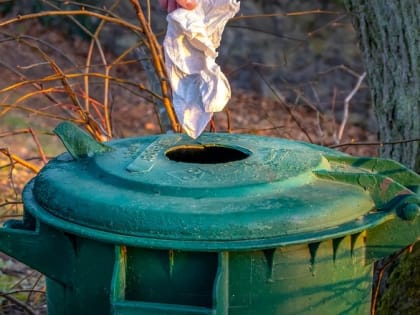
(389, 36)
(389, 33)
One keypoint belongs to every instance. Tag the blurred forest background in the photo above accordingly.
(295, 69)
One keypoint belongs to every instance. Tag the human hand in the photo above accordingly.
(171, 5)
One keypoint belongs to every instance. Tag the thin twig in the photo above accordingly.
(381, 274)
(34, 137)
(38, 146)
(56, 77)
(376, 143)
(10, 175)
(3, 294)
(212, 124)
(149, 12)
(284, 105)
(333, 103)
(27, 96)
(29, 310)
(91, 126)
(95, 40)
(158, 63)
(344, 68)
(30, 16)
(316, 11)
(36, 85)
(297, 13)
(40, 113)
(37, 281)
(10, 216)
(37, 40)
(255, 130)
(312, 33)
(20, 161)
(154, 82)
(10, 203)
(347, 105)
(320, 131)
(267, 32)
(228, 120)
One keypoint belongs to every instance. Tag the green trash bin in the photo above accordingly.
(225, 224)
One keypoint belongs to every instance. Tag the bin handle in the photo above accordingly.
(409, 208)
(387, 194)
(395, 192)
(384, 167)
(36, 245)
(77, 142)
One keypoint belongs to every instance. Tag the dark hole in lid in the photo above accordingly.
(206, 154)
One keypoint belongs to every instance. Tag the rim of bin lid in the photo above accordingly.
(220, 191)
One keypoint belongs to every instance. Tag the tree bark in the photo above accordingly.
(389, 33)
(389, 37)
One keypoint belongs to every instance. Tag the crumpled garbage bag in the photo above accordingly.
(198, 85)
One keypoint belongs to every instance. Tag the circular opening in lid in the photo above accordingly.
(206, 154)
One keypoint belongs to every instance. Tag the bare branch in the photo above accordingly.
(347, 105)
(376, 143)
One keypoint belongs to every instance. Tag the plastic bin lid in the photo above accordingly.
(220, 191)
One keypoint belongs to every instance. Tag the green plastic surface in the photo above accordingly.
(221, 191)
(223, 225)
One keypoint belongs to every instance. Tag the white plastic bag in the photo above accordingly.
(198, 85)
